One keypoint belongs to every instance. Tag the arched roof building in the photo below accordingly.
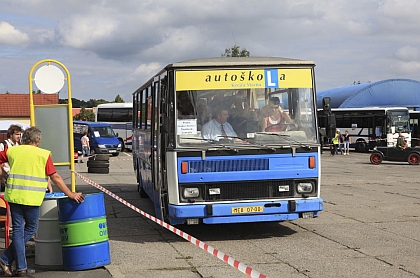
(385, 93)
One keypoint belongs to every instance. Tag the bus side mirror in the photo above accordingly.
(331, 126)
(326, 106)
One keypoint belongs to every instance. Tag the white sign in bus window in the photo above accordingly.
(97, 134)
(187, 126)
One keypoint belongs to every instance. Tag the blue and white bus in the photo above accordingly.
(255, 176)
(119, 116)
(369, 127)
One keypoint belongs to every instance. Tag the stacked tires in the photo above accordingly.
(98, 164)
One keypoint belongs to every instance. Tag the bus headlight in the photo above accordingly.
(119, 145)
(191, 192)
(304, 187)
(101, 146)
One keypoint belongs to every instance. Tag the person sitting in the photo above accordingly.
(218, 128)
(273, 119)
(401, 142)
(203, 113)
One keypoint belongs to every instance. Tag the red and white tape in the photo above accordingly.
(220, 255)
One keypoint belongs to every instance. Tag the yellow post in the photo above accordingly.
(70, 115)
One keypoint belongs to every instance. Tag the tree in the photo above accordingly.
(235, 51)
(85, 115)
(118, 99)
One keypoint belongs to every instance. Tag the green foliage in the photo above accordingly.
(118, 99)
(235, 51)
(85, 115)
(76, 103)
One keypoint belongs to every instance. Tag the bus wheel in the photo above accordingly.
(375, 158)
(413, 159)
(122, 144)
(361, 147)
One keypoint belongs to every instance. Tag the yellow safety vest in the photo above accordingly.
(27, 180)
(335, 139)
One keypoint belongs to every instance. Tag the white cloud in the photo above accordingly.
(11, 36)
(408, 53)
(85, 31)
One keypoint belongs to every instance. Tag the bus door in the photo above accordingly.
(156, 150)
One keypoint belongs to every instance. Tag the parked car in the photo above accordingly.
(410, 155)
(102, 138)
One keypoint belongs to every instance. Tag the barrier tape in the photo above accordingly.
(220, 255)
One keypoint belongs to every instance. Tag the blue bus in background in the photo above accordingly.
(258, 175)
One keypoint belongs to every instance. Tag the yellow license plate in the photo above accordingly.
(247, 209)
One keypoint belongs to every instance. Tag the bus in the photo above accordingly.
(370, 126)
(119, 116)
(255, 176)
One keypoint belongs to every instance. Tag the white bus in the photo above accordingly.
(119, 116)
(371, 126)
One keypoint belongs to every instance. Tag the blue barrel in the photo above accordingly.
(84, 233)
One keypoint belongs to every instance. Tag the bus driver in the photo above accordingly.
(218, 128)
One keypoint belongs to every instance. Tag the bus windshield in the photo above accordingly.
(399, 121)
(256, 116)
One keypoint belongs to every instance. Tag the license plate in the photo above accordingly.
(247, 209)
(112, 151)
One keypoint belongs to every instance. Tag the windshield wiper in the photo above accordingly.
(286, 137)
(255, 144)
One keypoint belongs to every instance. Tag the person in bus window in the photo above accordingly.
(272, 118)
(203, 113)
(218, 128)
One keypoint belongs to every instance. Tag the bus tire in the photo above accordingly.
(116, 154)
(361, 147)
(122, 144)
(142, 192)
(97, 170)
(98, 164)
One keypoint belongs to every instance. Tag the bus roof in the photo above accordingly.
(116, 105)
(239, 61)
(376, 108)
(230, 62)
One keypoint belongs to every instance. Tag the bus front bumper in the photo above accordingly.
(245, 212)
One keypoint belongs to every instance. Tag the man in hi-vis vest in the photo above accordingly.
(30, 167)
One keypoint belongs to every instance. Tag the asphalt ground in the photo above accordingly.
(369, 228)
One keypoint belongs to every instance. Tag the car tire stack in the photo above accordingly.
(98, 164)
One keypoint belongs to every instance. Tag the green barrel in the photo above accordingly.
(84, 232)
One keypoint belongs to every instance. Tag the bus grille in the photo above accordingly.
(246, 190)
(204, 166)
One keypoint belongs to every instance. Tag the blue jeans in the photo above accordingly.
(25, 223)
(85, 151)
(346, 145)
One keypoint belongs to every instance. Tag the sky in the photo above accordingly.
(112, 47)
